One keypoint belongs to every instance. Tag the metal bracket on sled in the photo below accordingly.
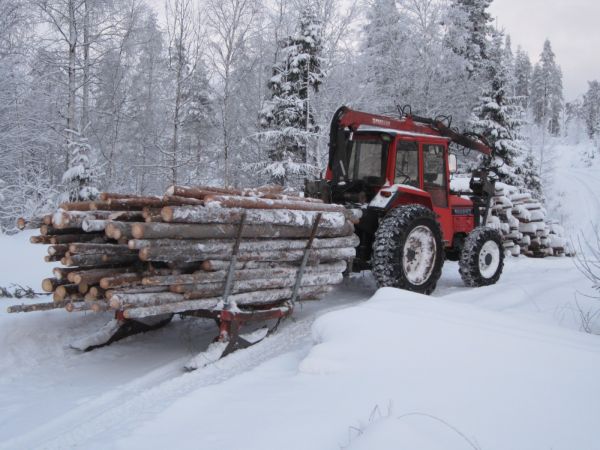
(120, 328)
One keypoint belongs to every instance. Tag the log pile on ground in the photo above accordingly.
(147, 256)
(523, 222)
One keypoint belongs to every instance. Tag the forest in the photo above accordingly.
(134, 96)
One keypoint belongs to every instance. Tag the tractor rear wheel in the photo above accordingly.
(407, 251)
(482, 257)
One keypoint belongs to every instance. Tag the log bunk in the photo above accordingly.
(235, 256)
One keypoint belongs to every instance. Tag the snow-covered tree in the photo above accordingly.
(472, 23)
(78, 178)
(522, 77)
(232, 24)
(197, 121)
(547, 91)
(289, 117)
(147, 131)
(382, 48)
(591, 109)
(498, 117)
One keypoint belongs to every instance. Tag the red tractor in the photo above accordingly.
(397, 171)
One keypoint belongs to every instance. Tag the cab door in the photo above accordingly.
(435, 182)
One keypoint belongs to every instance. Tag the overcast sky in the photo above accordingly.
(573, 29)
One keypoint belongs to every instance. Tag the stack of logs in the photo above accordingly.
(523, 222)
(147, 256)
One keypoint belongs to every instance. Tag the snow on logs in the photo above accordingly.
(523, 222)
(145, 256)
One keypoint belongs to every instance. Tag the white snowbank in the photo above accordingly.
(21, 262)
(402, 371)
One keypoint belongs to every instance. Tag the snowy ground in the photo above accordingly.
(493, 368)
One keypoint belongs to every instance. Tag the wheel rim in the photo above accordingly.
(489, 259)
(418, 256)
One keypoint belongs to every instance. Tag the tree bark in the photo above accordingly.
(94, 276)
(98, 260)
(40, 239)
(58, 250)
(268, 192)
(127, 216)
(196, 291)
(75, 219)
(152, 306)
(188, 254)
(76, 206)
(276, 270)
(37, 307)
(90, 249)
(49, 230)
(206, 215)
(119, 230)
(258, 203)
(216, 265)
(229, 231)
(226, 246)
(83, 237)
(62, 273)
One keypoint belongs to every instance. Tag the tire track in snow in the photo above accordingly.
(120, 409)
(585, 208)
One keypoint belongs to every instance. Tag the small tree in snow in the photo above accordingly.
(78, 178)
(288, 118)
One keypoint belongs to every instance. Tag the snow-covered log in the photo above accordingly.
(98, 260)
(220, 246)
(274, 270)
(229, 231)
(38, 306)
(259, 203)
(155, 308)
(196, 291)
(185, 254)
(206, 215)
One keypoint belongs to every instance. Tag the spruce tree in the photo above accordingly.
(547, 91)
(522, 76)
(499, 117)
(288, 118)
(78, 178)
(380, 52)
(591, 109)
(473, 23)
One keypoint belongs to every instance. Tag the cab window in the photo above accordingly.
(434, 174)
(407, 163)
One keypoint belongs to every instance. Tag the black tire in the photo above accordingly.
(482, 257)
(391, 254)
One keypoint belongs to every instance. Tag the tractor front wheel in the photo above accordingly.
(482, 257)
(407, 251)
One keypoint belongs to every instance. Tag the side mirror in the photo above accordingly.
(452, 164)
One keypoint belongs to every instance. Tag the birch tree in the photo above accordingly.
(231, 25)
